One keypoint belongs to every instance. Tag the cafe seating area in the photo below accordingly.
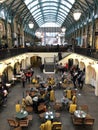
(61, 106)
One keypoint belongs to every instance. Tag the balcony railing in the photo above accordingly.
(7, 53)
(89, 52)
(48, 49)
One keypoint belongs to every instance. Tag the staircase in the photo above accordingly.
(49, 65)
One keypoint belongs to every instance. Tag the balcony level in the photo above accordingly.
(8, 53)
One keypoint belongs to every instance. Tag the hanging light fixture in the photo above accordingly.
(38, 34)
(31, 25)
(63, 29)
(77, 14)
(1, 1)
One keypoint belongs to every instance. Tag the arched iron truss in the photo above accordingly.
(43, 11)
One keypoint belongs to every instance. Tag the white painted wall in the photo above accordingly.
(90, 64)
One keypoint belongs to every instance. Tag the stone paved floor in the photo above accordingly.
(86, 96)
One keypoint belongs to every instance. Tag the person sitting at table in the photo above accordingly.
(65, 102)
(42, 85)
(49, 88)
(28, 99)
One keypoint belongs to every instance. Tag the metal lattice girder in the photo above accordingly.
(59, 11)
(15, 7)
(38, 13)
(79, 4)
(50, 15)
(45, 4)
(27, 19)
(18, 8)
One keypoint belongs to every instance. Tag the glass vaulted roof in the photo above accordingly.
(45, 11)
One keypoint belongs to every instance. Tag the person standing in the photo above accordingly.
(23, 79)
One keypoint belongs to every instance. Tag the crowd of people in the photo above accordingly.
(40, 93)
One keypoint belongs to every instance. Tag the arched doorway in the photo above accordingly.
(16, 68)
(7, 74)
(91, 75)
(76, 62)
(36, 61)
(82, 65)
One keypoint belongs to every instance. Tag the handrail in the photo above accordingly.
(8, 53)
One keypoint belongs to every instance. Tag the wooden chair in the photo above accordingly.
(29, 109)
(77, 121)
(30, 117)
(57, 106)
(84, 108)
(73, 92)
(56, 126)
(57, 116)
(12, 123)
(89, 121)
(41, 108)
(24, 123)
(18, 128)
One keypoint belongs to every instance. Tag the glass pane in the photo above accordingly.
(49, 10)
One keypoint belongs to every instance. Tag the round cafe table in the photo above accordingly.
(80, 114)
(21, 115)
(49, 115)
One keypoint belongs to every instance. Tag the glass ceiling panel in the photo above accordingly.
(48, 25)
(49, 10)
(48, 4)
(63, 7)
(35, 12)
(63, 11)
